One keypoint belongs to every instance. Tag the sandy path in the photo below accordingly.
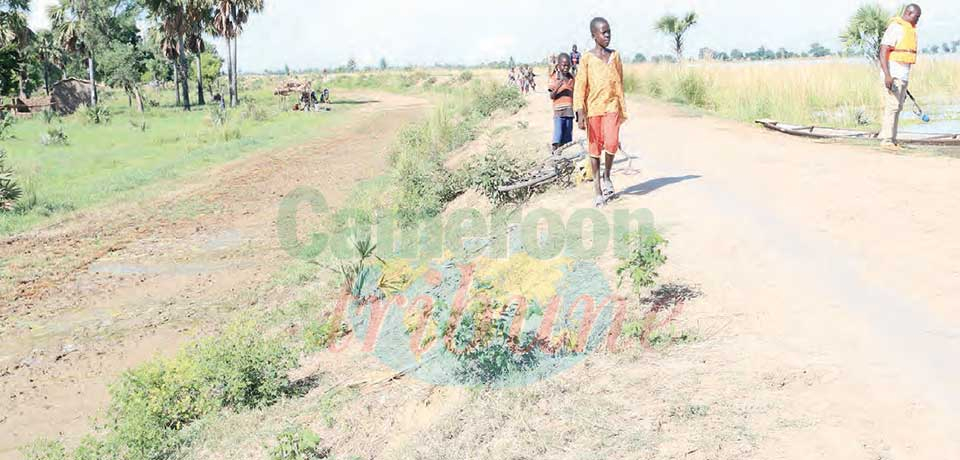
(832, 260)
(112, 287)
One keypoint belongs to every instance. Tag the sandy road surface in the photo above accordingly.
(112, 287)
(834, 262)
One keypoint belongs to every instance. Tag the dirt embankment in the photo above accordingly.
(109, 288)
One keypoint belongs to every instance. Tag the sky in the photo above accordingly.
(319, 33)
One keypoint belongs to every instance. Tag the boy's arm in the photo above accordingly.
(623, 96)
(580, 88)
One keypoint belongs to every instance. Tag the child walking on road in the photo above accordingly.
(561, 92)
(600, 106)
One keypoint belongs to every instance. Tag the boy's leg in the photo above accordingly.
(595, 166)
(611, 141)
(557, 132)
(595, 138)
(566, 134)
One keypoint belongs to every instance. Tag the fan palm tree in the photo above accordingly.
(173, 17)
(228, 21)
(14, 31)
(199, 17)
(865, 30)
(47, 51)
(74, 24)
(676, 28)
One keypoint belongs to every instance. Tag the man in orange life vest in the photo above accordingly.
(898, 53)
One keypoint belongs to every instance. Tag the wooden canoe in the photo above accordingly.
(817, 132)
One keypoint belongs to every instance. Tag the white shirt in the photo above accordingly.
(893, 35)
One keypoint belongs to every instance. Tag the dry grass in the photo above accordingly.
(831, 92)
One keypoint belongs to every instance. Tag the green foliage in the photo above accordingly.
(10, 191)
(465, 76)
(152, 403)
(211, 66)
(49, 116)
(54, 136)
(218, 116)
(487, 351)
(864, 31)
(253, 111)
(6, 125)
(692, 90)
(644, 256)
(298, 443)
(96, 115)
(44, 449)
(495, 169)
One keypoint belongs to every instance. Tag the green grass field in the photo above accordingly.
(103, 163)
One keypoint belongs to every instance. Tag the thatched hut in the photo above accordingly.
(69, 94)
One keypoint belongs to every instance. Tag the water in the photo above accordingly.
(944, 120)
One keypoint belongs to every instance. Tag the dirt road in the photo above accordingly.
(832, 265)
(112, 287)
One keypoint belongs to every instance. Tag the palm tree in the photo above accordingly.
(73, 23)
(676, 28)
(199, 17)
(47, 51)
(173, 17)
(14, 31)
(229, 18)
(865, 30)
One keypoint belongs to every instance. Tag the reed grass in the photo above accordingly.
(828, 92)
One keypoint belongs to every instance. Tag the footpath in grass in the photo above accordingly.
(116, 160)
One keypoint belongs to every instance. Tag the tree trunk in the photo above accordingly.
(92, 71)
(200, 100)
(236, 75)
(46, 78)
(23, 81)
(129, 99)
(176, 82)
(230, 71)
(139, 97)
(185, 80)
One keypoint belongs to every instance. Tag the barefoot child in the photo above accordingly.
(599, 102)
(561, 92)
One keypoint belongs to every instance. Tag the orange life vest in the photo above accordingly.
(905, 52)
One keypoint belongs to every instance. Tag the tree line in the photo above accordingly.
(102, 41)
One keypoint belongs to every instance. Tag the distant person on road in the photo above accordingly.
(575, 59)
(898, 53)
(600, 105)
(561, 92)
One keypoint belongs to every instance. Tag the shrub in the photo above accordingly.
(254, 112)
(44, 449)
(49, 116)
(692, 90)
(54, 136)
(152, 403)
(10, 191)
(218, 116)
(95, 115)
(6, 125)
(494, 169)
(642, 258)
(465, 76)
(298, 443)
(492, 97)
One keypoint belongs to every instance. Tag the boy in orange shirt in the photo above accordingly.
(600, 106)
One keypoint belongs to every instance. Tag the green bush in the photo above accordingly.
(494, 169)
(253, 111)
(298, 443)
(465, 76)
(487, 351)
(491, 97)
(54, 136)
(642, 258)
(692, 90)
(10, 191)
(6, 125)
(95, 115)
(152, 403)
(44, 449)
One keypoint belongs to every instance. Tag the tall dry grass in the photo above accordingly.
(832, 92)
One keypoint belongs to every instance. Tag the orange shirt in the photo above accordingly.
(599, 87)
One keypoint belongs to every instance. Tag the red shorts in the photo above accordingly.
(603, 133)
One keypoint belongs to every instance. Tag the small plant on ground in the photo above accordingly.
(253, 111)
(465, 76)
(692, 90)
(139, 125)
(44, 449)
(54, 136)
(49, 116)
(298, 443)
(96, 115)
(642, 257)
(10, 191)
(218, 116)
(6, 125)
